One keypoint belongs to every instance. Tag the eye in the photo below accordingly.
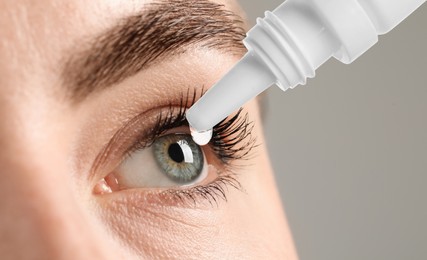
(172, 160)
(143, 159)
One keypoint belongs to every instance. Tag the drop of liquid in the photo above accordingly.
(201, 138)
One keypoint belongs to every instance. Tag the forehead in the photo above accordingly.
(35, 35)
(40, 25)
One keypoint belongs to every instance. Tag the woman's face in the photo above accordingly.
(96, 159)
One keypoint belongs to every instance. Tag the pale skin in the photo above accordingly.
(49, 209)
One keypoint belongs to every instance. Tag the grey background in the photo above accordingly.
(350, 150)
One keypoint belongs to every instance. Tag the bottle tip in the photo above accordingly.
(201, 138)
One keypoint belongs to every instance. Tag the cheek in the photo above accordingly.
(163, 232)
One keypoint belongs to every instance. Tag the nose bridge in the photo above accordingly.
(40, 215)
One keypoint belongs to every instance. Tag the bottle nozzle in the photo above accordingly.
(244, 81)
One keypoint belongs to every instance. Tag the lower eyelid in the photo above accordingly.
(209, 194)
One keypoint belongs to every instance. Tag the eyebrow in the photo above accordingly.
(162, 30)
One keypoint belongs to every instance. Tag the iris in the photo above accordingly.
(179, 157)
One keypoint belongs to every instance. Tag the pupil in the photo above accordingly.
(175, 153)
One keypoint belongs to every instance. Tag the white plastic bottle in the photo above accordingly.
(290, 43)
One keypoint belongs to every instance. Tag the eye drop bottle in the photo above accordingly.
(290, 43)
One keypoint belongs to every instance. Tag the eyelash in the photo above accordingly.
(232, 138)
(232, 141)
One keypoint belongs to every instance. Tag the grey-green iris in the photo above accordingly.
(179, 157)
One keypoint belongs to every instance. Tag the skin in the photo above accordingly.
(48, 208)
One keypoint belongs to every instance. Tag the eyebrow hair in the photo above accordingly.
(163, 29)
